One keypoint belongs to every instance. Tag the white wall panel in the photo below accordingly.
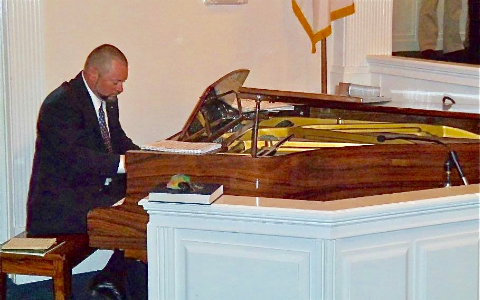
(357, 280)
(363, 30)
(24, 89)
(367, 32)
(4, 204)
(440, 260)
(207, 256)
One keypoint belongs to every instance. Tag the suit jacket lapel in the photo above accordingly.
(86, 105)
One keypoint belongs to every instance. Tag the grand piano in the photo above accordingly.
(295, 145)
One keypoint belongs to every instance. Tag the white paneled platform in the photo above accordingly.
(422, 83)
(415, 245)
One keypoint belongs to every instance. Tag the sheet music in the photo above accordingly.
(29, 244)
(249, 105)
(182, 147)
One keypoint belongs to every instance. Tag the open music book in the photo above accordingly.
(249, 105)
(182, 147)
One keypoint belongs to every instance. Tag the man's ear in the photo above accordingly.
(92, 74)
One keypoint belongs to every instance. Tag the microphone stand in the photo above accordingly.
(456, 162)
(448, 172)
(452, 155)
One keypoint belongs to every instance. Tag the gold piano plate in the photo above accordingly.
(313, 133)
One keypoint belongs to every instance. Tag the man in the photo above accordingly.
(428, 30)
(79, 157)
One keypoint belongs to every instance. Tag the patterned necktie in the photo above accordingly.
(104, 129)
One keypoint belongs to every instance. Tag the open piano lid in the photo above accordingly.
(226, 103)
(222, 109)
(214, 113)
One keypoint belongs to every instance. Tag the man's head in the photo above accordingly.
(105, 71)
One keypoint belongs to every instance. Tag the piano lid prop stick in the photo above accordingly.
(255, 127)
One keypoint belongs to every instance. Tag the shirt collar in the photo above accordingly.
(95, 100)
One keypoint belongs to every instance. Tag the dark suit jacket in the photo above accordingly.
(71, 163)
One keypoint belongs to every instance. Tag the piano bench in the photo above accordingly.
(58, 263)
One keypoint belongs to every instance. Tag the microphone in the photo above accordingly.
(382, 138)
(451, 153)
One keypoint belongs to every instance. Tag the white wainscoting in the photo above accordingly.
(4, 211)
(420, 263)
(442, 259)
(24, 90)
(367, 32)
(417, 245)
(207, 256)
(405, 24)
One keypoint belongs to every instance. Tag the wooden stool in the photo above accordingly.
(57, 264)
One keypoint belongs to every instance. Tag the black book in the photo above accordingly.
(199, 193)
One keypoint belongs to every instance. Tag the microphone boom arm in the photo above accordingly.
(452, 155)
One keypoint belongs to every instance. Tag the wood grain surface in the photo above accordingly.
(320, 175)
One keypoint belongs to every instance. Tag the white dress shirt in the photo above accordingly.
(96, 104)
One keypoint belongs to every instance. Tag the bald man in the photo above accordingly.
(74, 170)
(79, 157)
